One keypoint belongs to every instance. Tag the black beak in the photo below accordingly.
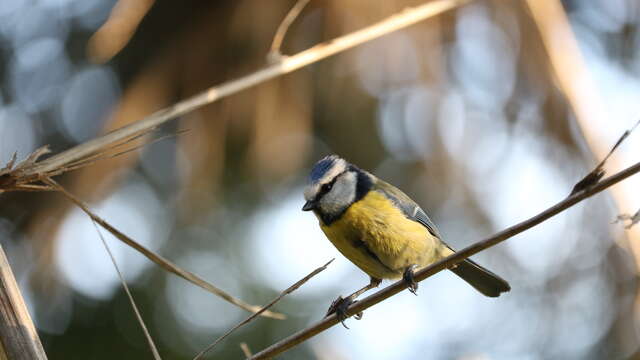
(309, 205)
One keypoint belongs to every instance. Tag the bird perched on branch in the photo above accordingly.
(381, 230)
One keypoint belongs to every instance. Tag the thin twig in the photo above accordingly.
(289, 290)
(446, 263)
(289, 64)
(11, 176)
(573, 78)
(159, 260)
(633, 219)
(274, 53)
(105, 155)
(152, 345)
(620, 140)
(245, 350)
(598, 172)
(15, 178)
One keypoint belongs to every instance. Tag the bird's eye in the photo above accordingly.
(327, 187)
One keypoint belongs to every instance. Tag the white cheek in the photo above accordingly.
(340, 197)
(332, 203)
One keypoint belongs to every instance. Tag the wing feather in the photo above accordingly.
(409, 207)
(480, 278)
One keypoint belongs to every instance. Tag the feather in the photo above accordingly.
(477, 276)
(408, 206)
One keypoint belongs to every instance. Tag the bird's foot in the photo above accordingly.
(340, 306)
(407, 276)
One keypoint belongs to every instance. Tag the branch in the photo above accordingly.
(633, 219)
(132, 302)
(286, 65)
(445, 263)
(286, 292)
(598, 172)
(573, 78)
(245, 350)
(275, 53)
(157, 259)
(18, 337)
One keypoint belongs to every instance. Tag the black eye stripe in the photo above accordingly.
(325, 188)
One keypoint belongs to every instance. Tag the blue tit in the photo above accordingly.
(381, 230)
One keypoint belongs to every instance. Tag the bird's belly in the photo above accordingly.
(353, 244)
(381, 241)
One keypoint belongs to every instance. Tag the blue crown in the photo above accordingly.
(321, 167)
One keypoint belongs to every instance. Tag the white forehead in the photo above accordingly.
(339, 166)
(322, 175)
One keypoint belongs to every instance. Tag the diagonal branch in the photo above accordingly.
(288, 64)
(598, 172)
(286, 292)
(245, 350)
(573, 78)
(633, 219)
(145, 330)
(157, 259)
(446, 263)
(275, 53)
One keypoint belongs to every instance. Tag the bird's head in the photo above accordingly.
(334, 184)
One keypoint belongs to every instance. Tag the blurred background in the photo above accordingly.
(465, 112)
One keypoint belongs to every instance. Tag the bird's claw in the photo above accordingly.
(339, 306)
(407, 276)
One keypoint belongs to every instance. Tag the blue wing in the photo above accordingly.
(480, 278)
(410, 209)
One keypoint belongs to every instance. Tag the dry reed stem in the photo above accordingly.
(286, 65)
(274, 53)
(245, 350)
(18, 336)
(286, 292)
(576, 82)
(147, 335)
(159, 260)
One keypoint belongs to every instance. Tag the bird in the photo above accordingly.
(381, 230)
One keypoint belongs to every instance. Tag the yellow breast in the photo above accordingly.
(378, 238)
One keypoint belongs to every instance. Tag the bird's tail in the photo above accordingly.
(481, 279)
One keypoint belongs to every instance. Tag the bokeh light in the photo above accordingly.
(463, 112)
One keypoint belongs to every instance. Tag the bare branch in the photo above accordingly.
(393, 23)
(10, 175)
(598, 172)
(446, 263)
(18, 337)
(245, 350)
(159, 260)
(633, 219)
(289, 290)
(573, 78)
(105, 155)
(152, 345)
(274, 53)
